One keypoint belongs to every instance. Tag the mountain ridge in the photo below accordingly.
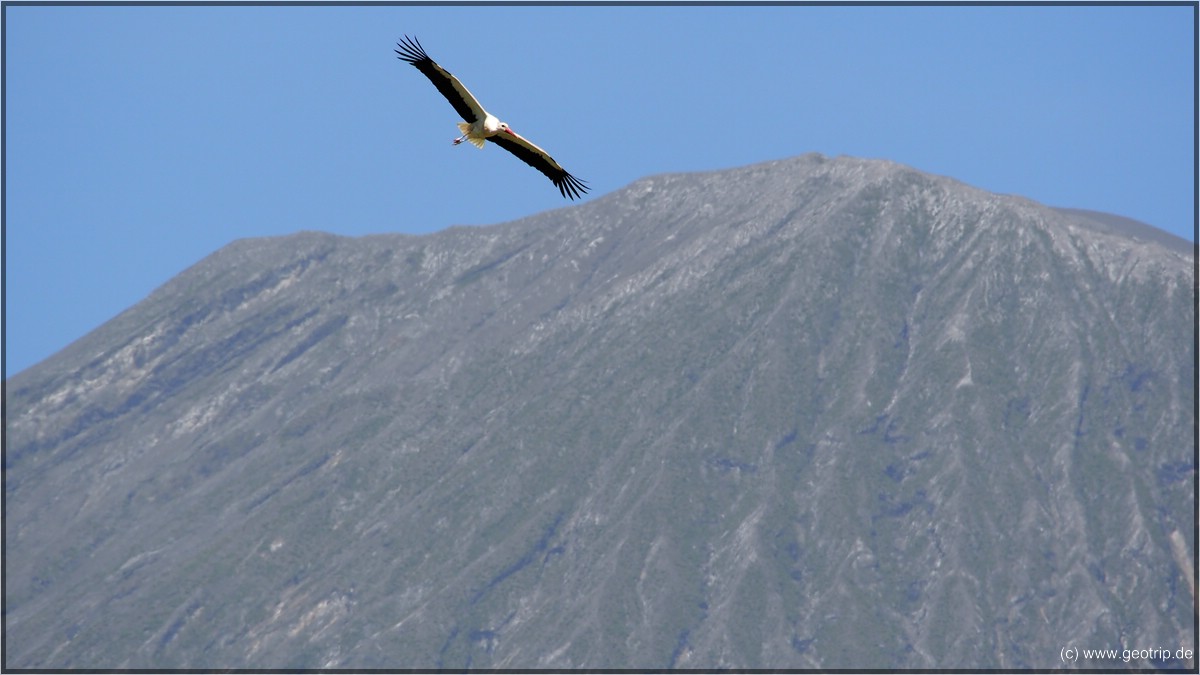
(731, 419)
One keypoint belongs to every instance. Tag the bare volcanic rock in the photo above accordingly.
(814, 413)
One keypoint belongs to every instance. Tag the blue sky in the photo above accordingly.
(141, 139)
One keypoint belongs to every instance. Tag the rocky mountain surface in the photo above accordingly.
(814, 413)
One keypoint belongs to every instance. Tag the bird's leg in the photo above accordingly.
(460, 139)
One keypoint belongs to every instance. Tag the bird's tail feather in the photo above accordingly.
(465, 128)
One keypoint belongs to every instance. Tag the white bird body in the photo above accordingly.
(479, 126)
(480, 130)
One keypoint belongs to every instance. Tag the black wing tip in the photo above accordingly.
(571, 187)
(411, 50)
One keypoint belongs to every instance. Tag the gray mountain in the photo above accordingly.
(814, 413)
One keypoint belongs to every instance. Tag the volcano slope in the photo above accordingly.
(814, 413)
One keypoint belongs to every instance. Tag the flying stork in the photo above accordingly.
(480, 125)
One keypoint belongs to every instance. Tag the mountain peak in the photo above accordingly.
(735, 419)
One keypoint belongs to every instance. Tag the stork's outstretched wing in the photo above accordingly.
(459, 96)
(410, 50)
(568, 185)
